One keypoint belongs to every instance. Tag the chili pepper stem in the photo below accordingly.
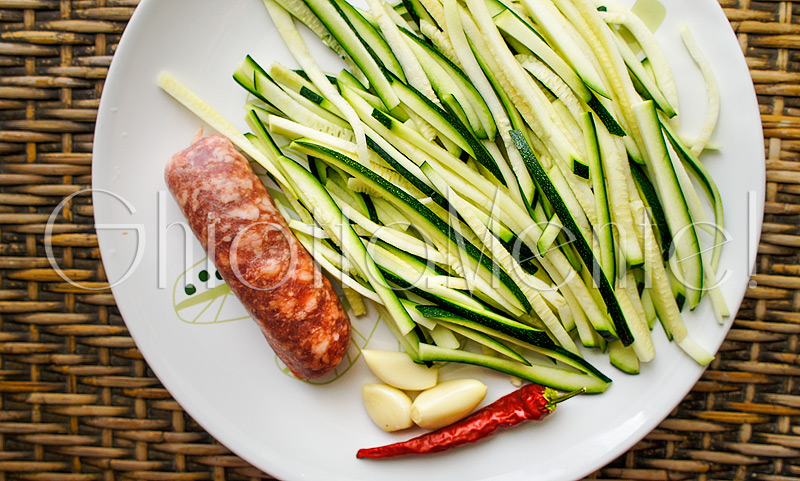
(551, 403)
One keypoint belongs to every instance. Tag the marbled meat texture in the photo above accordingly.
(250, 243)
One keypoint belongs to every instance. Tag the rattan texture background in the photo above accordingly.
(78, 402)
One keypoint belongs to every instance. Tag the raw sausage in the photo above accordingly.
(250, 243)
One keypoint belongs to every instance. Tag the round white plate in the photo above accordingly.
(218, 366)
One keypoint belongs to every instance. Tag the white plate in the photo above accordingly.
(224, 374)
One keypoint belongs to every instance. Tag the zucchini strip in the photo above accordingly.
(374, 43)
(554, 84)
(661, 294)
(408, 243)
(712, 89)
(526, 95)
(405, 271)
(255, 80)
(638, 72)
(619, 15)
(308, 229)
(355, 300)
(412, 144)
(473, 70)
(329, 13)
(297, 46)
(556, 30)
(435, 10)
(448, 80)
(441, 41)
(484, 340)
(659, 163)
(301, 12)
(502, 257)
(410, 65)
(485, 269)
(337, 272)
(521, 31)
(586, 333)
(289, 79)
(616, 172)
(599, 36)
(511, 331)
(292, 130)
(205, 112)
(562, 379)
(648, 193)
(710, 187)
(642, 342)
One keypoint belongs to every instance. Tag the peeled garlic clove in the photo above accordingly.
(447, 403)
(388, 407)
(398, 370)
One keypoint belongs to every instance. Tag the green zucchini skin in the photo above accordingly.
(605, 236)
(415, 181)
(706, 182)
(657, 210)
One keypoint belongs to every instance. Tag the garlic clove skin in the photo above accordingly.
(388, 407)
(398, 370)
(447, 403)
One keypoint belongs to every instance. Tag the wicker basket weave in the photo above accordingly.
(78, 402)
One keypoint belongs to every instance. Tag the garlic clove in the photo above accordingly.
(388, 407)
(398, 370)
(447, 402)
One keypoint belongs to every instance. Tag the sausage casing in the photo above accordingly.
(252, 247)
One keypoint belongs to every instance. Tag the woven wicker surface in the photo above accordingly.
(78, 402)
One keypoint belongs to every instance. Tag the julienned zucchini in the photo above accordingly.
(485, 340)
(415, 181)
(372, 40)
(447, 123)
(585, 252)
(558, 378)
(623, 357)
(419, 215)
(406, 272)
(520, 334)
(408, 139)
(684, 235)
(356, 47)
(515, 27)
(482, 123)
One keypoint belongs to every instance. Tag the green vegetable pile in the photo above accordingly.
(493, 173)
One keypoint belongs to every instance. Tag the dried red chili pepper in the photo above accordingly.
(531, 402)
